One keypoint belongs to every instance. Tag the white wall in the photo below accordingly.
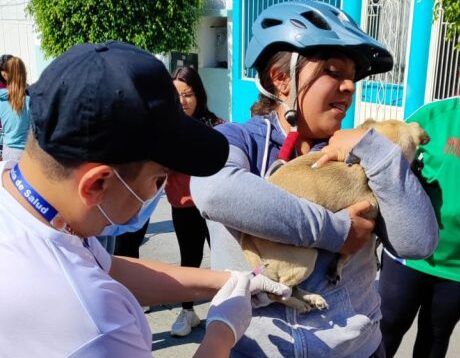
(17, 36)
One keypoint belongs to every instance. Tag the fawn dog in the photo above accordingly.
(334, 186)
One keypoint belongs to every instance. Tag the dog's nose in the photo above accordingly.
(425, 139)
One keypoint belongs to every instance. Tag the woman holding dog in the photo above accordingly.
(308, 57)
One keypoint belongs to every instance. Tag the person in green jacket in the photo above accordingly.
(431, 286)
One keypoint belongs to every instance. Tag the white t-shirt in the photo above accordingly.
(55, 299)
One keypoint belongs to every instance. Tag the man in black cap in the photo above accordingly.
(106, 127)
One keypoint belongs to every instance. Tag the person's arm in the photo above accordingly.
(230, 310)
(407, 221)
(153, 282)
(248, 203)
(228, 317)
(217, 342)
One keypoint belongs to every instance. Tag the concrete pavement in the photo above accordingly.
(162, 245)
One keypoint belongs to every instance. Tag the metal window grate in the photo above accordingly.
(252, 9)
(444, 72)
(380, 96)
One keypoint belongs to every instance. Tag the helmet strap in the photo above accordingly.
(290, 110)
(291, 107)
(265, 92)
(290, 113)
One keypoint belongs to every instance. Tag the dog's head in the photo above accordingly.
(407, 135)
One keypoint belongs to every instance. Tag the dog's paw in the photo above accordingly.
(298, 304)
(310, 301)
(315, 301)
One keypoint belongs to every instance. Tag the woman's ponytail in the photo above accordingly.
(16, 83)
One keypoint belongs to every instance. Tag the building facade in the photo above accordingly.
(427, 66)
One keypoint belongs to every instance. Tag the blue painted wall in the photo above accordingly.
(215, 81)
(353, 9)
(390, 95)
(244, 91)
(418, 56)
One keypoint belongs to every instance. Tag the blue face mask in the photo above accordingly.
(136, 222)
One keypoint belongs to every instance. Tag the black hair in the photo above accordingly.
(281, 59)
(3, 60)
(190, 77)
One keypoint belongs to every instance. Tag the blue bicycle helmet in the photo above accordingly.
(311, 25)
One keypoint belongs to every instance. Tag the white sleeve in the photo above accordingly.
(121, 343)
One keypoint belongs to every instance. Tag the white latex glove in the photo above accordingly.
(261, 285)
(232, 304)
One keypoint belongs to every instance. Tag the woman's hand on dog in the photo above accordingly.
(361, 228)
(340, 145)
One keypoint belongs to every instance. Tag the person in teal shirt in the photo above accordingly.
(3, 60)
(14, 108)
(430, 286)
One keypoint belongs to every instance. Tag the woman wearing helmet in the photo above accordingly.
(308, 56)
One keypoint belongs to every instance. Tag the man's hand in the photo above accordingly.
(261, 285)
(340, 145)
(232, 304)
(361, 228)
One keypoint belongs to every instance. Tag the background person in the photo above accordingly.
(3, 60)
(82, 302)
(308, 57)
(189, 225)
(14, 107)
(429, 287)
(128, 244)
(130, 237)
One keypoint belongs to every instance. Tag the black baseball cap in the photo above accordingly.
(114, 103)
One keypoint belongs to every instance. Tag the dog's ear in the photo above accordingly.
(368, 123)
